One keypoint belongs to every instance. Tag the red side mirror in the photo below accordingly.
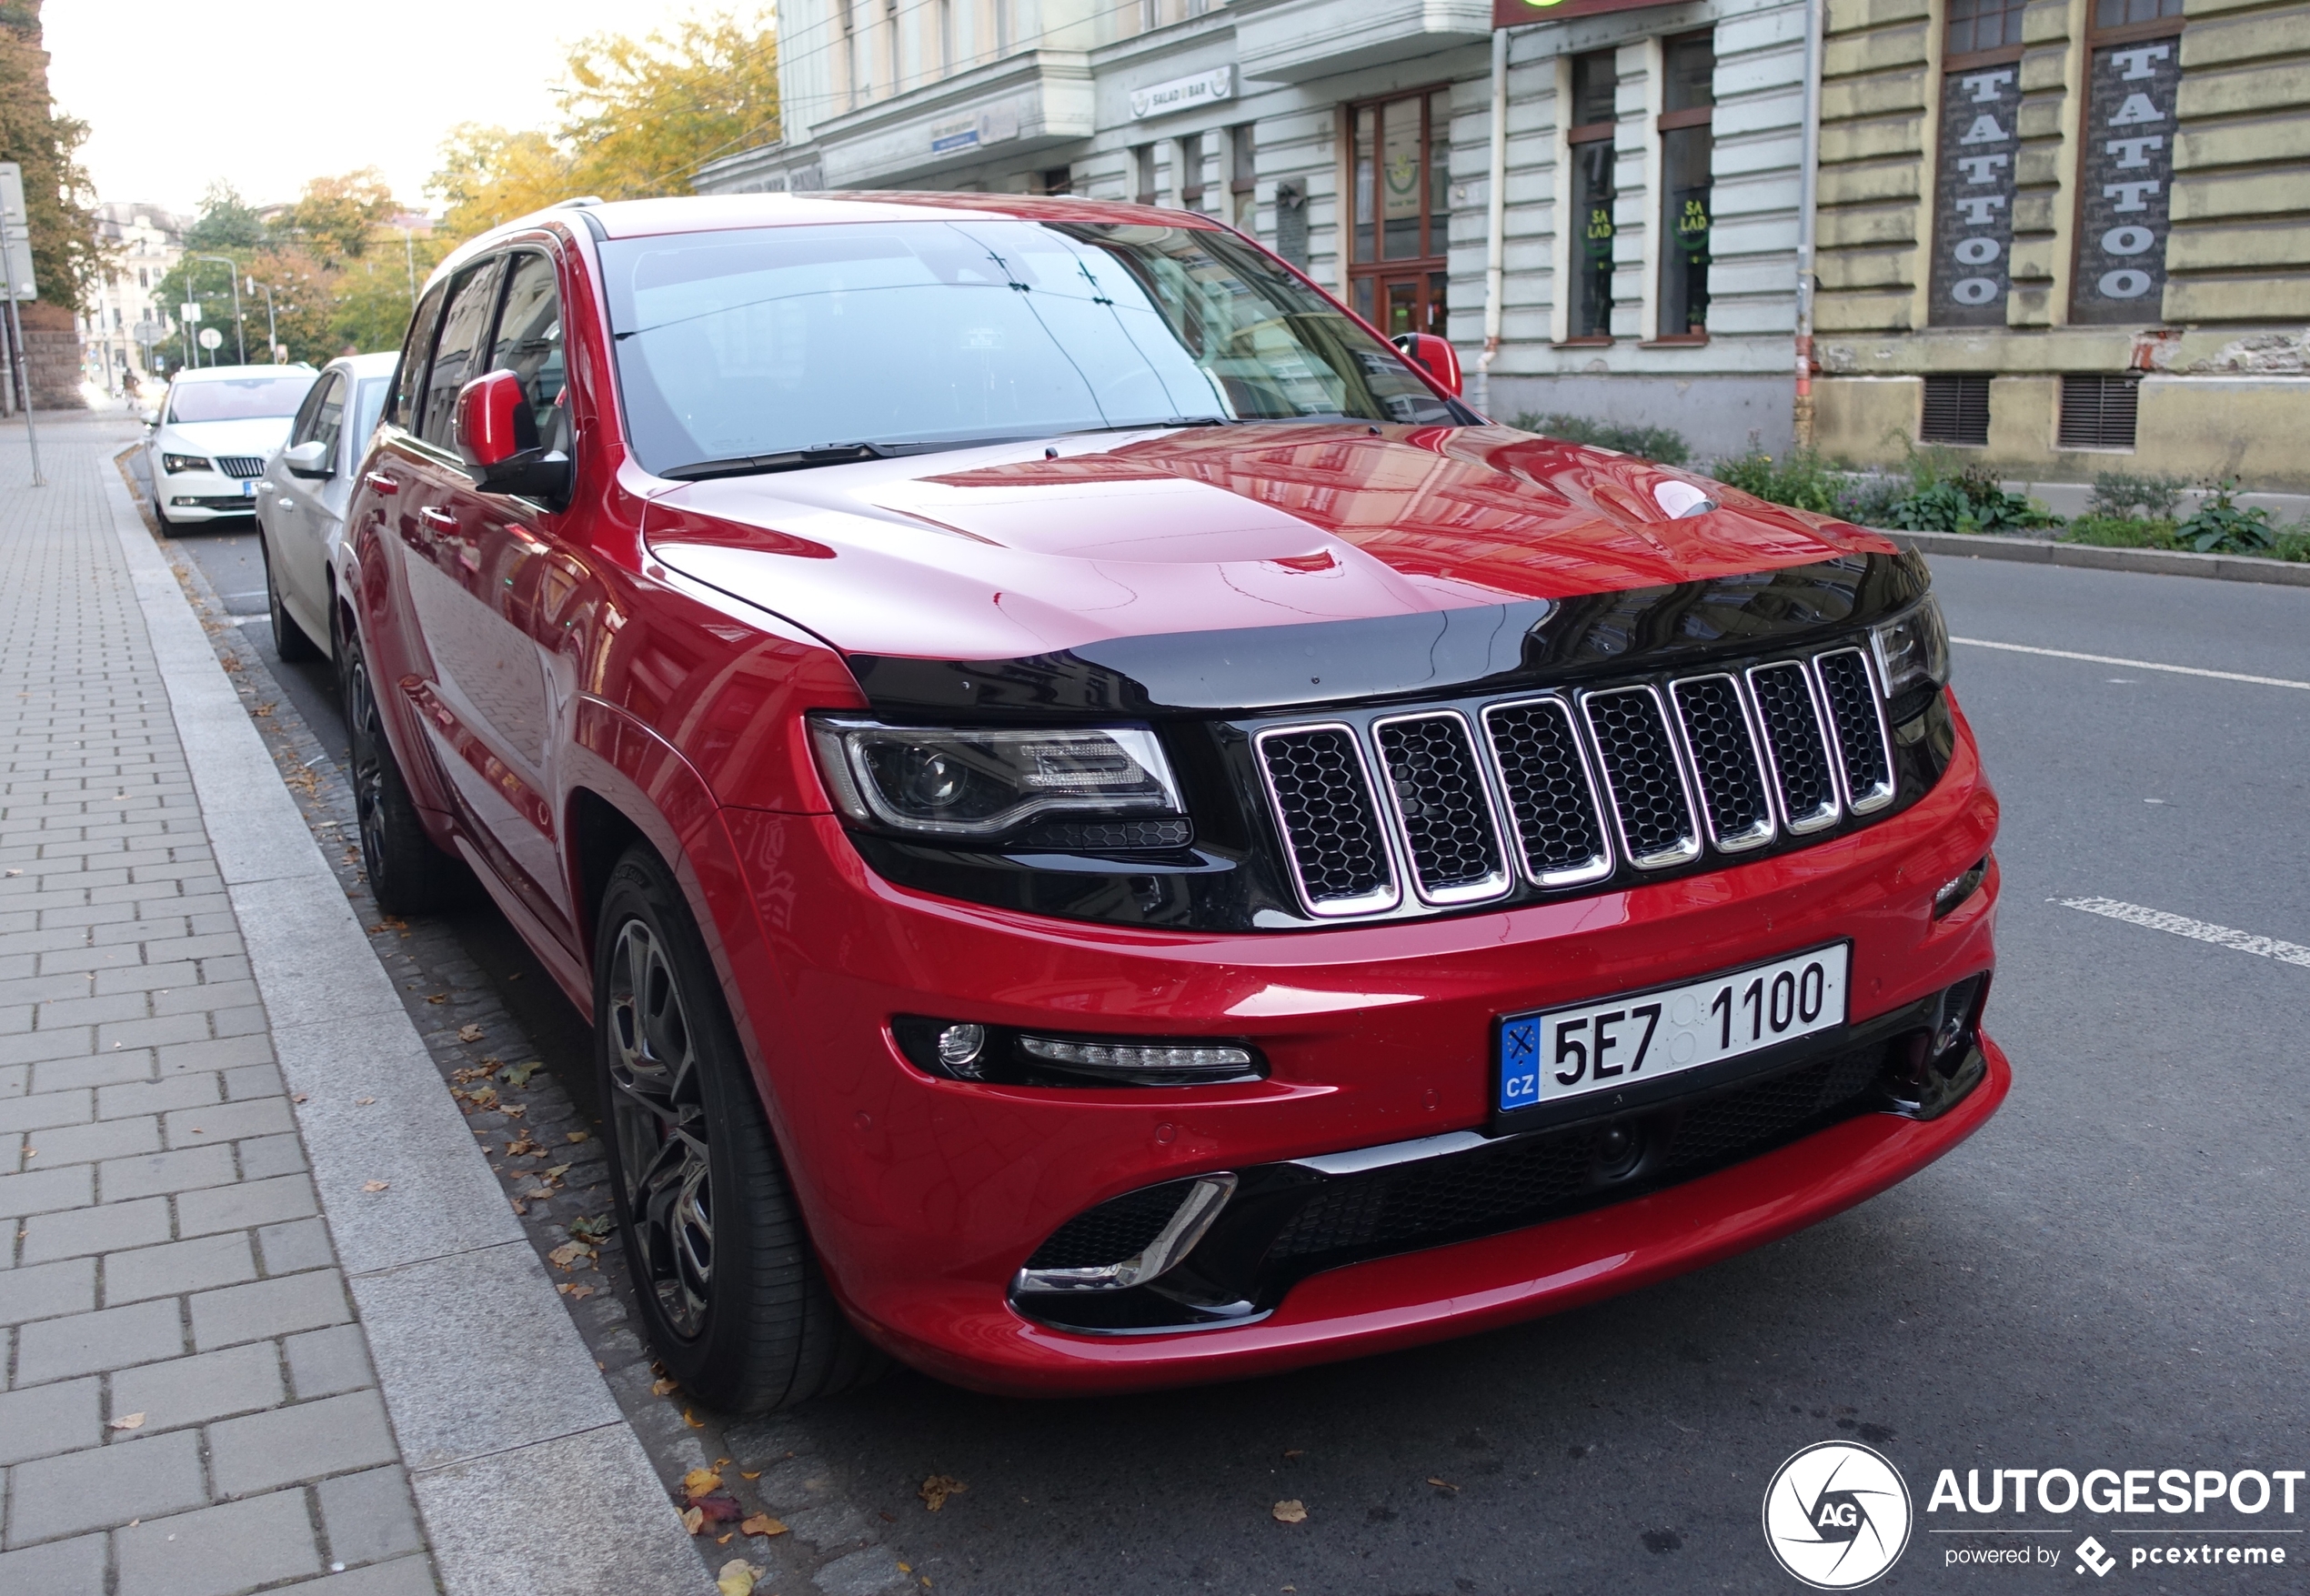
(490, 411)
(1432, 354)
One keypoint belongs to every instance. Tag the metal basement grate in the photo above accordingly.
(2099, 412)
(1438, 789)
(1648, 797)
(1956, 411)
(1338, 853)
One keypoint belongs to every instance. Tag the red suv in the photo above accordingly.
(1113, 830)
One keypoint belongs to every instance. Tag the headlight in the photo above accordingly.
(1913, 652)
(949, 782)
(185, 463)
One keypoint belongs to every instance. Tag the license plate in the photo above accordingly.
(1623, 1041)
(248, 488)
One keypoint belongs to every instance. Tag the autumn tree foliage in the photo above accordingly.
(59, 200)
(638, 116)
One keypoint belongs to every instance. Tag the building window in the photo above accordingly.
(1687, 145)
(1975, 177)
(1595, 85)
(1975, 25)
(946, 35)
(1143, 170)
(1402, 173)
(2134, 54)
(1190, 172)
(1055, 180)
(1243, 177)
(1956, 411)
(2098, 412)
(850, 54)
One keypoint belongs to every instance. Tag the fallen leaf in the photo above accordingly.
(658, 1388)
(16, 872)
(1442, 1484)
(694, 1519)
(468, 1076)
(1296, 1453)
(297, 1098)
(725, 1540)
(699, 1482)
(364, 1102)
(935, 1491)
(574, 1293)
(470, 1033)
(737, 1577)
(520, 1207)
(596, 1228)
(375, 1185)
(437, 997)
(567, 1253)
(556, 1173)
(577, 1136)
(721, 1508)
(521, 1147)
(1291, 1513)
(127, 1421)
(692, 1419)
(519, 1074)
(763, 1524)
(756, 1474)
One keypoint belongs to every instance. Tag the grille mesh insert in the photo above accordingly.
(1792, 726)
(1115, 1232)
(1639, 767)
(1329, 818)
(1439, 794)
(1853, 701)
(1725, 757)
(1540, 764)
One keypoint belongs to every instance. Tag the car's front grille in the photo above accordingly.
(241, 465)
(1113, 1232)
(1571, 786)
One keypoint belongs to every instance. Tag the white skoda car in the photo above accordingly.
(216, 428)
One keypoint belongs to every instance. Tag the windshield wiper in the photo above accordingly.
(824, 455)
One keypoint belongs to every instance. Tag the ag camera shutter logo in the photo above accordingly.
(1837, 1515)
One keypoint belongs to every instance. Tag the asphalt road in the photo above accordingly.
(2112, 1274)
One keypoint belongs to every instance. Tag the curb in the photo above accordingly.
(2162, 562)
(527, 1476)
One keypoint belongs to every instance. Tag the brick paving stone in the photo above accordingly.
(139, 1479)
(220, 1551)
(51, 1107)
(175, 1268)
(40, 1190)
(61, 1568)
(252, 1203)
(195, 1167)
(368, 1517)
(49, 1291)
(265, 1156)
(193, 1390)
(105, 1139)
(204, 1127)
(299, 1441)
(85, 1343)
(300, 1244)
(60, 1418)
(156, 1097)
(106, 1228)
(102, 1069)
(269, 1308)
(406, 1576)
(325, 1362)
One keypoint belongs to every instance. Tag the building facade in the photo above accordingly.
(1652, 184)
(124, 330)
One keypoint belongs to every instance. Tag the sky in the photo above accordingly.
(269, 93)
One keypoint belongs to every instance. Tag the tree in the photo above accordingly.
(335, 217)
(226, 221)
(59, 200)
(638, 117)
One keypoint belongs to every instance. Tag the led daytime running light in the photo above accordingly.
(1133, 1056)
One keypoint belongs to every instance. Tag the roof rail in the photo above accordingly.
(579, 202)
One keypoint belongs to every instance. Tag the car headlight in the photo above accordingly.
(185, 463)
(958, 783)
(1912, 653)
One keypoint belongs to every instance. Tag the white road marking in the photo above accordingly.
(2158, 919)
(2225, 675)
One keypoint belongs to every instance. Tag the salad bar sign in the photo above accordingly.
(2129, 171)
(1974, 231)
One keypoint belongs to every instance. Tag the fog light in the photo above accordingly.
(1960, 889)
(959, 1047)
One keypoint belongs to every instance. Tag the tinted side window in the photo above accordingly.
(307, 427)
(529, 345)
(456, 362)
(328, 420)
(408, 377)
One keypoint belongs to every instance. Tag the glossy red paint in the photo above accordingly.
(488, 409)
(561, 670)
(1433, 355)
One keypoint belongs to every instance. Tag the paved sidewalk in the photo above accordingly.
(192, 1405)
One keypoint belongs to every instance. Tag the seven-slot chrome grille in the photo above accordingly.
(241, 464)
(1566, 788)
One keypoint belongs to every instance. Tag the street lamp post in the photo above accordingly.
(233, 276)
(272, 327)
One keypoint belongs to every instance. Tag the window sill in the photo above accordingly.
(1675, 341)
(1602, 342)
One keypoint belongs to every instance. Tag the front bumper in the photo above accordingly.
(924, 1197)
(202, 496)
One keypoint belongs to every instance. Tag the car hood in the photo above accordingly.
(1028, 550)
(258, 436)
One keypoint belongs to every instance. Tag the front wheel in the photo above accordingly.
(728, 1288)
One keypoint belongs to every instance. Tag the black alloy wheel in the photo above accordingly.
(408, 874)
(725, 1281)
(290, 640)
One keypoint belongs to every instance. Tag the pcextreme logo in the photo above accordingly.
(1837, 1515)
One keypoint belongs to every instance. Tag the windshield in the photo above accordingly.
(761, 342)
(238, 398)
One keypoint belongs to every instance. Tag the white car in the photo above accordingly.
(301, 498)
(209, 444)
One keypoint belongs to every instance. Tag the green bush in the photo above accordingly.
(2121, 496)
(2122, 532)
(1649, 443)
(1801, 479)
(2219, 527)
(2294, 543)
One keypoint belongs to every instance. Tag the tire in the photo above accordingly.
(408, 874)
(290, 640)
(160, 516)
(729, 1292)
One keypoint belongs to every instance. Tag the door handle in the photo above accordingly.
(381, 484)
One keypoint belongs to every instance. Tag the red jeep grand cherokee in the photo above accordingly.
(1115, 833)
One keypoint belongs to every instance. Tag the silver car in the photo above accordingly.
(301, 499)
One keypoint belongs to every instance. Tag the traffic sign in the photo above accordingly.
(16, 234)
(189, 311)
(210, 338)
